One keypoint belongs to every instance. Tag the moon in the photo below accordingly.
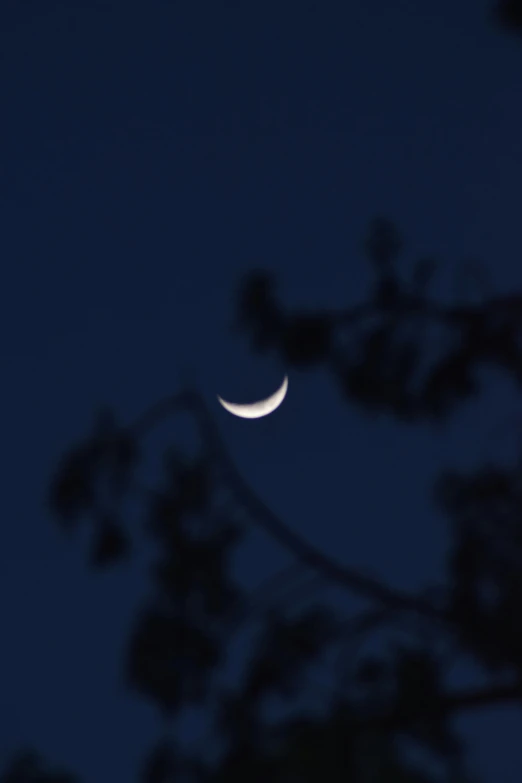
(254, 410)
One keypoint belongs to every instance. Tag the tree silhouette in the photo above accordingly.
(507, 15)
(28, 767)
(377, 354)
(199, 515)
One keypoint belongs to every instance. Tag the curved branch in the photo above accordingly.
(304, 551)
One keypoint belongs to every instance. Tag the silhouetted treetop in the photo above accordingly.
(380, 352)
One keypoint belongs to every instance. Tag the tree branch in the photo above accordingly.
(304, 551)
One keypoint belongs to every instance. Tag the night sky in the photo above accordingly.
(154, 152)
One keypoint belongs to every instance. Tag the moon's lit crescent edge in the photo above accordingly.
(255, 410)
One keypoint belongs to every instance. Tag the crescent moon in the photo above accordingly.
(254, 410)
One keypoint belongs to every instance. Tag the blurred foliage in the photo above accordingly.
(378, 355)
(181, 636)
(507, 14)
(28, 767)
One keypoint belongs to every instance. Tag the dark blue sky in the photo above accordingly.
(151, 153)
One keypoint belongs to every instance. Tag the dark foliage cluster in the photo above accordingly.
(485, 564)
(507, 14)
(28, 767)
(380, 352)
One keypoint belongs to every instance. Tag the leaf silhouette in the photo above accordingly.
(110, 543)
